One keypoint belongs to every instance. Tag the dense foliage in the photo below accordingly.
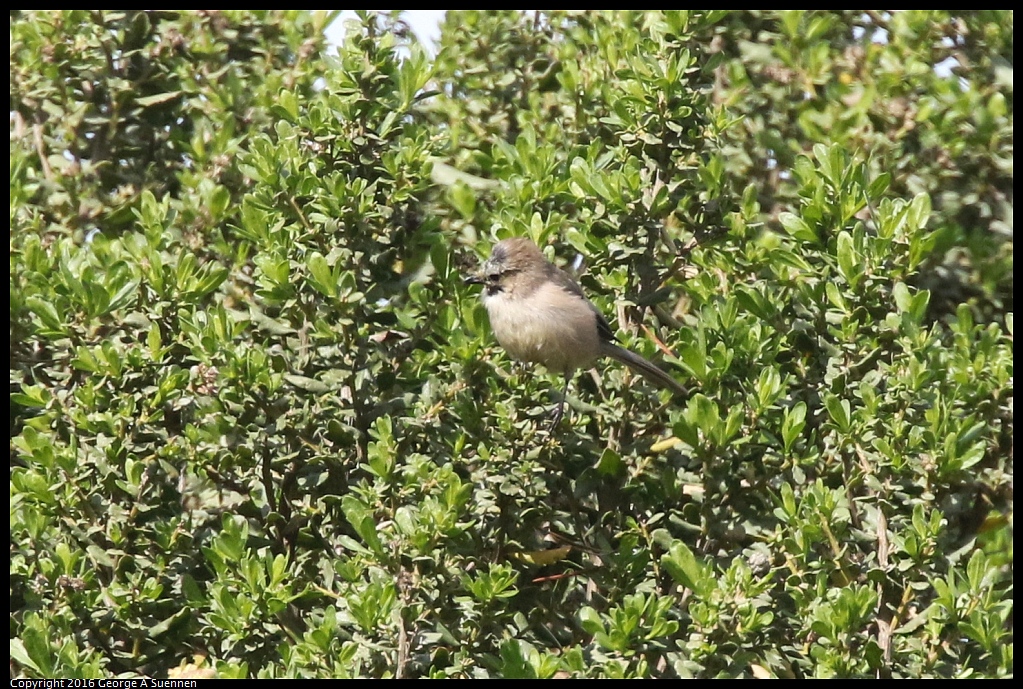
(259, 426)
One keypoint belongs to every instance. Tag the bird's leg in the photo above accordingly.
(559, 411)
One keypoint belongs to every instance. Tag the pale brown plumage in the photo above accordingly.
(539, 314)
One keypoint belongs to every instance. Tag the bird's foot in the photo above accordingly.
(557, 414)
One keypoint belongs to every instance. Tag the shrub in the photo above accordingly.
(259, 426)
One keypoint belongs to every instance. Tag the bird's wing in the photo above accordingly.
(565, 281)
(606, 334)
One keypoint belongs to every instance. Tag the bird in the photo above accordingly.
(539, 314)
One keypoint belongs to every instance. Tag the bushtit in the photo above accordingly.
(539, 314)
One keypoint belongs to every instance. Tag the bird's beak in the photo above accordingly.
(473, 279)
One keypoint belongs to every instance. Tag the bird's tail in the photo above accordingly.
(642, 367)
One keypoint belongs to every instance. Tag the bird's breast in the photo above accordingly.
(548, 326)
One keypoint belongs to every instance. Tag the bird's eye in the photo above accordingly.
(493, 277)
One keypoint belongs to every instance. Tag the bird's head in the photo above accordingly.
(510, 260)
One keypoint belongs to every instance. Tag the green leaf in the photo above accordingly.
(797, 227)
(154, 341)
(100, 556)
(462, 199)
(590, 621)
(446, 175)
(323, 279)
(793, 425)
(125, 294)
(220, 199)
(21, 656)
(836, 298)
(684, 568)
(848, 261)
(32, 396)
(308, 384)
(879, 185)
(361, 519)
(839, 410)
(610, 463)
(919, 211)
(46, 312)
(177, 620)
(157, 99)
